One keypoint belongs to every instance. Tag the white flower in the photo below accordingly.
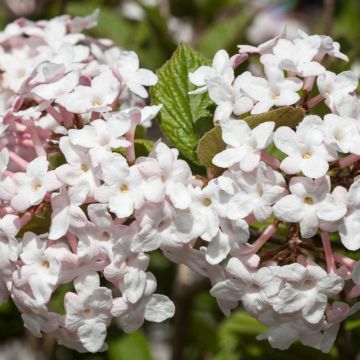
(244, 144)
(229, 98)
(151, 307)
(41, 269)
(255, 192)
(307, 291)
(34, 184)
(66, 210)
(350, 227)
(57, 88)
(126, 63)
(230, 238)
(296, 56)
(333, 86)
(305, 149)
(166, 175)
(221, 66)
(275, 90)
(88, 311)
(342, 134)
(309, 203)
(98, 97)
(100, 137)
(78, 168)
(208, 203)
(122, 188)
(254, 289)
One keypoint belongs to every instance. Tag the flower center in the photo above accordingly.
(306, 155)
(308, 200)
(37, 187)
(207, 201)
(96, 102)
(84, 167)
(45, 264)
(105, 235)
(124, 188)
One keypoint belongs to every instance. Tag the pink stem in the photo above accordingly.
(250, 219)
(72, 241)
(26, 143)
(238, 59)
(344, 260)
(348, 160)
(130, 150)
(329, 257)
(309, 83)
(263, 238)
(38, 146)
(6, 210)
(25, 218)
(19, 161)
(8, 173)
(314, 101)
(270, 160)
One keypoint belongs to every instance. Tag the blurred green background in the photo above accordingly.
(153, 28)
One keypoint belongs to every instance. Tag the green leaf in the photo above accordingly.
(130, 346)
(39, 224)
(285, 116)
(184, 118)
(143, 147)
(210, 145)
(56, 160)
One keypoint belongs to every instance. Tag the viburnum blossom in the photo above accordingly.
(78, 203)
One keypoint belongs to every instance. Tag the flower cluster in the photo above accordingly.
(302, 181)
(71, 100)
(70, 105)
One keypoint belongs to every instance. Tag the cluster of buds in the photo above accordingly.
(69, 108)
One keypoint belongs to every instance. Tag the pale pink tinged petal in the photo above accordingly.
(309, 224)
(37, 167)
(250, 161)
(262, 134)
(219, 90)
(78, 218)
(135, 281)
(235, 132)
(262, 106)
(290, 208)
(159, 308)
(68, 174)
(60, 221)
(331, 209)
(122, 205)
(198, 76)
(291, 164)
(179, 195)
(312, 68)
(218, 249)
(227, 158)
(154, 190)
(92, 336)
(314, 167)
(350, 231)
(145, 77)
(286, 140)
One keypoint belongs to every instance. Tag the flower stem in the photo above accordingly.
(270, 160)
(329, 257)
(344, 260)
